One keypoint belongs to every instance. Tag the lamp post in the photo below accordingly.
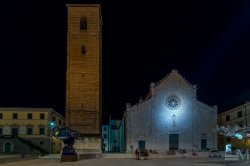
(52, 125)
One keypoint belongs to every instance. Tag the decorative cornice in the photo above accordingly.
(24, 109)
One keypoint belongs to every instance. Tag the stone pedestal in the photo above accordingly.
(87, 148)
(69, 158)
(68, 154)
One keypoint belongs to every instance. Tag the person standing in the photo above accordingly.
(137, 154)
(131, 149)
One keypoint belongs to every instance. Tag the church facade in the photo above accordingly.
(171, 118)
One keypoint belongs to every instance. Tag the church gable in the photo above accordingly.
(175, 78)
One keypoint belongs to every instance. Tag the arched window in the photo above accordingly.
(83, 23)
(83, 49)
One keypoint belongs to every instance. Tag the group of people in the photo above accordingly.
(141, 154)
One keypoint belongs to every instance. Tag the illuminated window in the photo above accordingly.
(239, 114)
(83, 23)
(228, 118)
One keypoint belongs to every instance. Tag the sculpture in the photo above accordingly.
(68, 137)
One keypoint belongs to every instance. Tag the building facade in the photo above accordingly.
(113, 136)
(105, 138)
(83, 77)
(28, 130)
(171, 118)
(240, 116)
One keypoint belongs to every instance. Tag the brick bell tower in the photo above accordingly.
(83, 80)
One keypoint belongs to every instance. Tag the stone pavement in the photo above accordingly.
(7, 158)
(111, 159)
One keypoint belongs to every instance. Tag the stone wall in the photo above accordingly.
(88, 145)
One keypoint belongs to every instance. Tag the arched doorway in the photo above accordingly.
(7, 147)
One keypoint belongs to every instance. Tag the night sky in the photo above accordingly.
(208, 42)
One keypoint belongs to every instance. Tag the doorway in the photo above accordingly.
(141, 145)
(7, 147)
(203, 144)
(173, 141)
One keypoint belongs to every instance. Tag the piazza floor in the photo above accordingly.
(125, 162)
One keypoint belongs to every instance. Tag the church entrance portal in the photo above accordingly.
(173, 141)
(203, 144)
(141, 145)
